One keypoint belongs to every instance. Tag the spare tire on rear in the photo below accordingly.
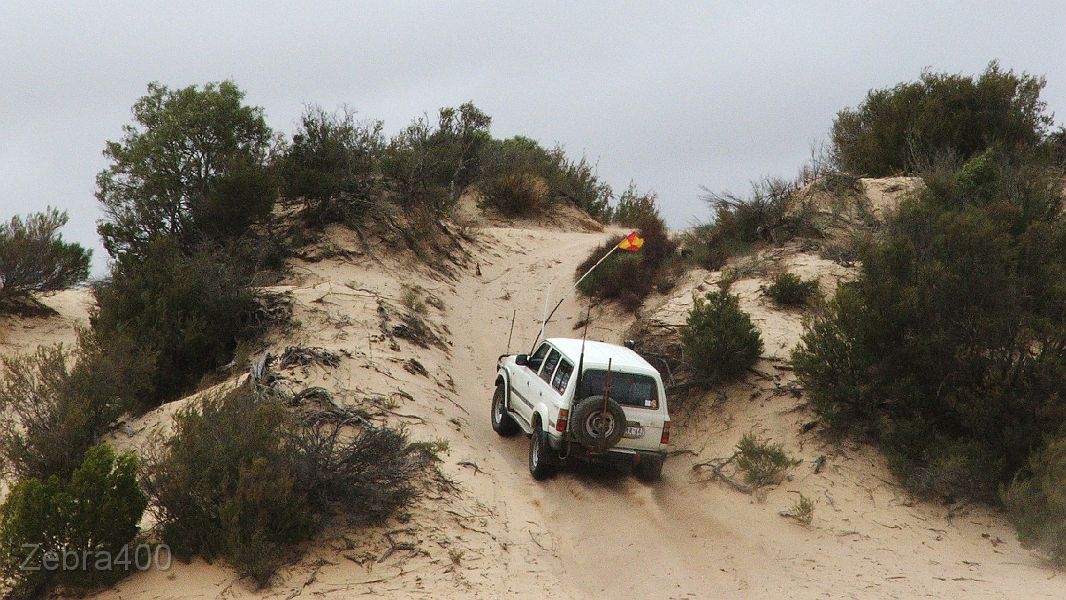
(594, 428)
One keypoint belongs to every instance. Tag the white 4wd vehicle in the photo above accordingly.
(569, 417)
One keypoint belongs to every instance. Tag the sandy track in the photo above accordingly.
(613, 535)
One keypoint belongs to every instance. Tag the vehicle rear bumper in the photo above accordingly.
(618, 456)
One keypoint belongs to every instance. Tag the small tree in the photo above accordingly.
(186, 312)
(330, 166)
(940, 113)
(34, 257)
(91, 516)
(433, 165)
(192, 167)
(719, 338)
(950, 348)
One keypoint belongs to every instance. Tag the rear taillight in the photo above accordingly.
(665, 439)
(560, 423)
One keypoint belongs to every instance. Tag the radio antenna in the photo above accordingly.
(510, 333)
(581, 359)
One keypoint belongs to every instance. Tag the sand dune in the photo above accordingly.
(485, 529)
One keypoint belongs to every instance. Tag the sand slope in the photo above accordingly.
(485, 529)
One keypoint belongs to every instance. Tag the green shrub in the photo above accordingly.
(719, 339)
(34, 257)
(950, 348)
(93, 515)
(330, 166)
(516, 194)
(243, 479)
(1036, 504)
(192, 168)
(628, 277)
(762, 462)
(431, 165)
(509, 166)
(59, 402)
(634, 207)
(790, 290)
(187, 312)
(226, 485)
(940, 113)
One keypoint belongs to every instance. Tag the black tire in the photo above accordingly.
(502, 422)
(541, 461)
(649, 469)
(595, 429)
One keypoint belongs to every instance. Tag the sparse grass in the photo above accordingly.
(762, 462)
(411, 298)
(456, 556)
(432, 450)
(802, 510)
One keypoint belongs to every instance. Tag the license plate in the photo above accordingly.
(634, 431)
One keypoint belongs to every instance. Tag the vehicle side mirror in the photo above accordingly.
(521, 360)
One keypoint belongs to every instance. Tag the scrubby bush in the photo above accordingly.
(192, 168)
(187, 312)
(950, 348)
(34, 257)
(92, 516)
(516, 194)
(940, 113)
(628, 277)
(788, 289)
(762, 462)
(58, 403)
(1036, 502)
(225, 485)
(432, 165)
(771, 214)
(330, 166)
(510, 168)
(634, 207)
(719, 339)
(244, 480)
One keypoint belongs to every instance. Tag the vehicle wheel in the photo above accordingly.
(541, 461)
(502, 422)
(649, 469)
(596, 429)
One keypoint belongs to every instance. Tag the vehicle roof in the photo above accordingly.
(597, 354)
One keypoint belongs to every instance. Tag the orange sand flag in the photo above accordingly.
(631, 243)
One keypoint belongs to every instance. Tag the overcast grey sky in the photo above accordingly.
(671, 96)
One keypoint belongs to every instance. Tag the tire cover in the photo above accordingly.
(593, 428)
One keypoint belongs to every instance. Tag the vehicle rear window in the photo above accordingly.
(549, 366)
(627, 389)
(562, 376)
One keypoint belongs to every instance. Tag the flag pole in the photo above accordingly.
(544, 323)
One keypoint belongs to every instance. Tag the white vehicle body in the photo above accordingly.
(540, 392)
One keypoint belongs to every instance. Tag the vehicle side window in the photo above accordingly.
(549, 366)
(562, 376)
(538, 357)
